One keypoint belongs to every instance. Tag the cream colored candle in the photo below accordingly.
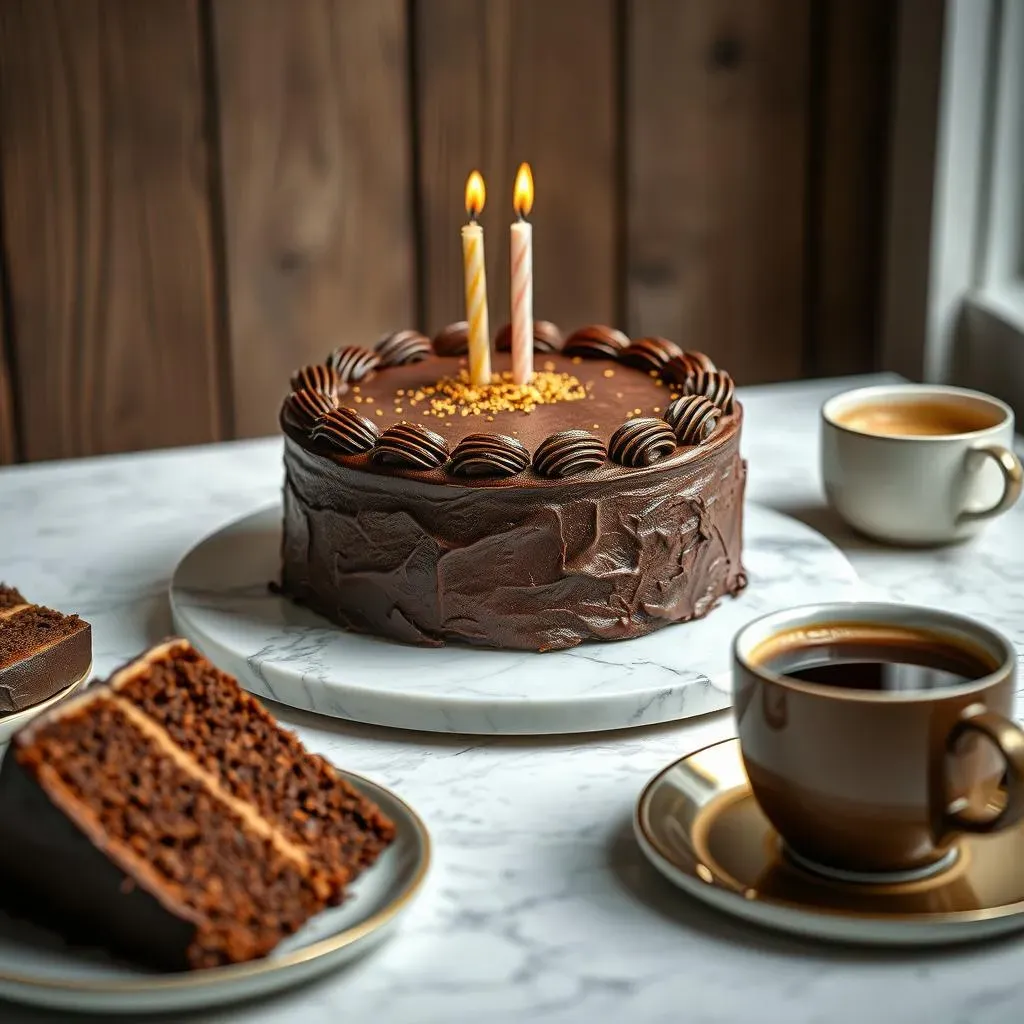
(522, 279)
(476, 284)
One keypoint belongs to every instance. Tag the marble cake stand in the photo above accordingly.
(221, 602)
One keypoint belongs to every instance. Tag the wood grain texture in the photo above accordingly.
(107, 225)
(499, 83)
(849, 139)
(317, 185)
(716, 110)
(8, 426)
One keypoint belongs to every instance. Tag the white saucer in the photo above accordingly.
(10, 724)
(37, 968)
(221, 602)
(699, 825)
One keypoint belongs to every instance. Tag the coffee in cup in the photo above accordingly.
(918, 464)
(874, 734)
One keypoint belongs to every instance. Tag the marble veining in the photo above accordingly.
(220, 601)
(539, 907)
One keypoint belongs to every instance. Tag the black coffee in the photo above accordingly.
(865, 657)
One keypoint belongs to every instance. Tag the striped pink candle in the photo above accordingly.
(522, 279)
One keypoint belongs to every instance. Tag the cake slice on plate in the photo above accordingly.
(41, 651)
(166, 815)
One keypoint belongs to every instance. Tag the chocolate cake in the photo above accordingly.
(166, 815)
(41, 651)
(602, 501)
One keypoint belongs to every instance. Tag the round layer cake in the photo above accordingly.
(600, 502)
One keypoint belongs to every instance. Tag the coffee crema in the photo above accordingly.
(915, 417)
(880, 658)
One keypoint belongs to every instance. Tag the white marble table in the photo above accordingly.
(540, 907)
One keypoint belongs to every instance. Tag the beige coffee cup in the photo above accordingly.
(869, 785)
(918, 464)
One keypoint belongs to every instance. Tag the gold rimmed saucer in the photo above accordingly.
(10, 724)
(699, 825)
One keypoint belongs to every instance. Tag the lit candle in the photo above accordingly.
(522, 279)
(476, 284)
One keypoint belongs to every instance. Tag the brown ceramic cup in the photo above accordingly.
(866, 783)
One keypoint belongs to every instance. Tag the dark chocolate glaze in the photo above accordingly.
(524, 562)
(53, 872)
(43, 672)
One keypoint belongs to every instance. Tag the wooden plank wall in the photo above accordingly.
(199, 195)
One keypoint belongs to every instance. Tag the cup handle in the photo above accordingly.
(1013, 481)
(1008, 739)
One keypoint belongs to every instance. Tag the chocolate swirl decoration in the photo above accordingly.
(318, 377)
(345, 431)
(596, 342)
(641, 442)
(303, 408)
(453, 340)
(693, 418)
(353, 363)
(650, 354)
(569, 452)
(489, 455)
(678, 368)
(547, 338)
(714, 384)
(402, 347)
(411, 446)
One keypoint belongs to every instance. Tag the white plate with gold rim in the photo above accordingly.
(38, 968)
(10, 724)
(697, 822)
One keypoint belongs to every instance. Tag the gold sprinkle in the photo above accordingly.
(673, 396)
(657, 408)
(659, 383)
(490, 419)
(380, 412)
(355, 388)
(399, 409)
(652, 373)
(597, 426)
(609, 373)
(576, 360)
(549, 366)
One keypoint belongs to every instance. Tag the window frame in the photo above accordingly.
(953, 307)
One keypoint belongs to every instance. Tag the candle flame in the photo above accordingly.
(476, 195)
(522, 195)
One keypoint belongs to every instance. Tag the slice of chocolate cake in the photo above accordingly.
(166, 815)
(41, 651)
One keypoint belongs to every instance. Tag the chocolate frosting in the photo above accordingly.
(650, 354)
(693, 418)
(452, 340)
(445, 530)
(680, 367)
(354, 363)
(302, 409)
(608, 555)
(716, 385)
(318, 377)
(401, 347)
(345, 431)
(569, 452)
(596, 342)
(641, 442)
(546, 337)
(411, 446)
(489, 455)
